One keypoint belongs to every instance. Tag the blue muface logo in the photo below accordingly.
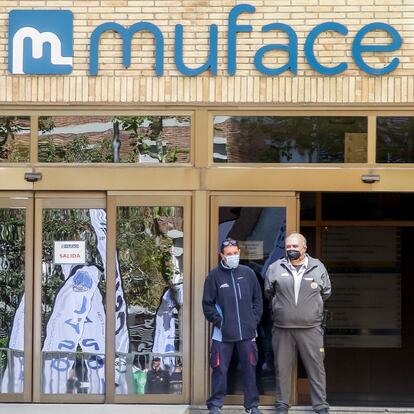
(40, 42)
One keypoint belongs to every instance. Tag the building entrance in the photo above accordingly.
(259, 222)
(94, 297)
(366, 243)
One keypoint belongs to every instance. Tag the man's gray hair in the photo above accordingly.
(298, 236)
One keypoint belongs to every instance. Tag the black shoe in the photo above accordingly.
(324, 411)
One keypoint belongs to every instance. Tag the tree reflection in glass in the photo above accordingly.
(12, 283)
(150, 249)
(299, 139)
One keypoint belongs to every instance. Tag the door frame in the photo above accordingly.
(289, 200)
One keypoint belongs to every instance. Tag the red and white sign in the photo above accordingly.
(70, 252)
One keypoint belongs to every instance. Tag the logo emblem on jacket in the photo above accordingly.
(224, 285)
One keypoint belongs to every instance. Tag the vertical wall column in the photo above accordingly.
(200, 254)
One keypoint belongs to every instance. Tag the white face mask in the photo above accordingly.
(233, 261)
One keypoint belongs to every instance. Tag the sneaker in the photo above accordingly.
(253, 410)
(214, 410)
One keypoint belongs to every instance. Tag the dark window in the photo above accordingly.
(395, 139)
(307, 206)
(364, 206)
(306, 139)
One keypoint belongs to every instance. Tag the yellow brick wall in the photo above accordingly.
(139, 83)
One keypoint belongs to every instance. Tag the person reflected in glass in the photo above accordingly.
(298, 286)
(72, 383)
(176, 379)
(139, 374)
(158, 379)
(232, 302)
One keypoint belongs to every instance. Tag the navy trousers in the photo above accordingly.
(221, 353)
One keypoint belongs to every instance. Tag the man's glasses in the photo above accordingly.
(229, 242)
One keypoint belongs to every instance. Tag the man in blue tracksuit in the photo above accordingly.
(232, 302)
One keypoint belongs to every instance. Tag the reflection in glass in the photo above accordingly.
(306, 139)
(149, 341)
(12, 274)
(14, 139)
(73, 292)
(365, 268)
(126, 139)
(261, 235)
(395, 139)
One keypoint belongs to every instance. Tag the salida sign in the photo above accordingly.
(70, 252)
(41, 42)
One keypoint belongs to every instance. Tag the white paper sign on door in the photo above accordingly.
(70, 252)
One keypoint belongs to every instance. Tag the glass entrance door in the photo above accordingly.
(69, 335)
(16, 243)
(259, 222)
(149, 281)
(94, 297)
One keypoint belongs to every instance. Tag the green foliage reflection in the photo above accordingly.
(13, 148)
(128, 140)
(145, 252)
(12, 266)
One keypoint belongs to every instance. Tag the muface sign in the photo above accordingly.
(41, 43)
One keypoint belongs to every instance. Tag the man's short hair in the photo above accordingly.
(228, 242)
(299, 236)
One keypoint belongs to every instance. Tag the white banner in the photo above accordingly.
(78, 318)
(13, 376)
(65, 328)
(98, 221)
(164, 336)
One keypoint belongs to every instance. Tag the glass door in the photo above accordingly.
(16, 265)
(149, 292)
(69, 336)
(259, 222)
(95, 297)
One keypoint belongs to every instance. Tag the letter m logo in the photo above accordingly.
(40, 42)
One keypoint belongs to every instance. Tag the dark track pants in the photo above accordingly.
(221, 353)
(309, 342)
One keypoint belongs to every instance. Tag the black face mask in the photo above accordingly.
(293, 254)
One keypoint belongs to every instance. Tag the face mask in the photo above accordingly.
(233, 261)
(293, 254)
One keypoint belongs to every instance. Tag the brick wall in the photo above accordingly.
(139, 84)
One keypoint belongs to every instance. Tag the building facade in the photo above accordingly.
(135, 135)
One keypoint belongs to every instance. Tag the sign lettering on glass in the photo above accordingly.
(251, 249)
